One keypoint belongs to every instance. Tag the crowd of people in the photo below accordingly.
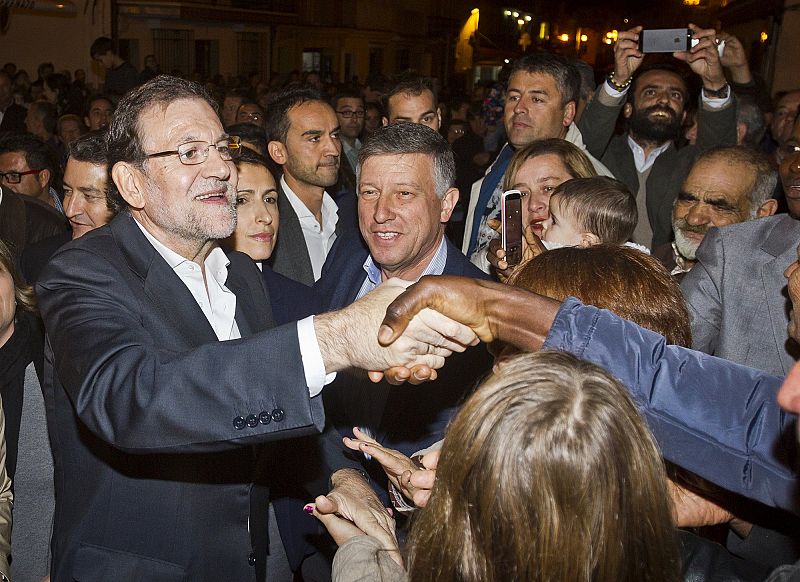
(268, 330)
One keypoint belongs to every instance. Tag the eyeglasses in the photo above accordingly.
(196, 152)
(15, 177)
(347, 113)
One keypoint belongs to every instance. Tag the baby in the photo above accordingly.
(590, 211)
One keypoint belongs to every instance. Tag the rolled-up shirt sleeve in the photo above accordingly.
(715, 418)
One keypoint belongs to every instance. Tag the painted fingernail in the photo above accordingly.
(309, 508)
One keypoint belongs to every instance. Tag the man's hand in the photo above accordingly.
(492, 310)
(354, 500)
(346, 341)
(703, 58)
(735, 59)
(531, 247)
(627, 56)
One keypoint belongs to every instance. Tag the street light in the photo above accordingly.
(564, 37)
(584, 38)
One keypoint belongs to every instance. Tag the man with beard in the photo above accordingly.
(645, 157)
(725, 186)
(736, 292)
(303, 137)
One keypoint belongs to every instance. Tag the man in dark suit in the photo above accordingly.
(86, 203)
(165, 438)
(405, 198)
(303, 138)
(645, 157)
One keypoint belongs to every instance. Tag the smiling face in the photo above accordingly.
(399, 214)
(533, 109)
(85, 197)
(310, 156)
(536, 179)
(184, 207)
(715, 193)
(658, 110)
(257, 213)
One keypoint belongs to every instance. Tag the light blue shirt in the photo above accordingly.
(435, 267)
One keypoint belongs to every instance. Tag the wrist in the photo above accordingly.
(328, 329)
(720, 92)
(619, 82)
(347, 475)
(714, 84)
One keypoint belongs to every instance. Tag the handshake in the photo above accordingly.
(406, 334)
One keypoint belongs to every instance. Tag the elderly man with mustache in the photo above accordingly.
(726, 185)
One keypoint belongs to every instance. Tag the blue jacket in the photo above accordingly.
(715, 418)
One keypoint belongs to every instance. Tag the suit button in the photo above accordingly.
(251, 559)
(252, 421)
(278, 414)
(264, 417)
(238, 423)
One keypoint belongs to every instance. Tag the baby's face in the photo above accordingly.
(561, 227)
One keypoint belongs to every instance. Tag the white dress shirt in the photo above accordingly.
(218, 304)
(319, 237)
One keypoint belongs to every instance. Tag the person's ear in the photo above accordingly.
(769, 208)
(43, 178)
(589, 239)
(439, 114)
(384, 120)
(129, 183)
(277, 151)
(741, 132)
(627, 110)
(569, 114)
(449, 202)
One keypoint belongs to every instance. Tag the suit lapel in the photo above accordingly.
(290, 257)
(780, 245)
(161, 285)
(253, 307)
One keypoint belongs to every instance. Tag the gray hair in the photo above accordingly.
(749, 113)
(765, 176)
(565, 75)
(413, 138)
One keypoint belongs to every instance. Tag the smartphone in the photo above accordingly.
(665, 40)
(511, 227)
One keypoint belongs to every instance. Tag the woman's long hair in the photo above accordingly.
(26, 300)
(547, 473)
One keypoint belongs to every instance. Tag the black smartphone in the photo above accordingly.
(665, 40)
(511, 230)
